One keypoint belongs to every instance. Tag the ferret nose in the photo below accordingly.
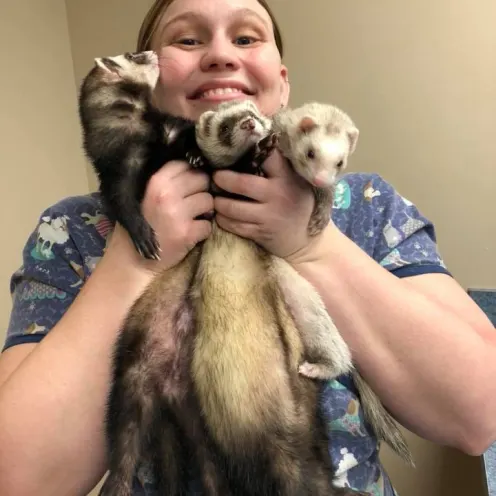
(324, 179)
(249, 124)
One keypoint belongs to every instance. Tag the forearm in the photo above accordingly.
(430, 367)
(52, 406)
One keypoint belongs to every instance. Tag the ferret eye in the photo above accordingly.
(311, 154)
(340, 164)
(224, 128)
(128, 56)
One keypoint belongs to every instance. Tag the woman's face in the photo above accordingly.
(216, 50)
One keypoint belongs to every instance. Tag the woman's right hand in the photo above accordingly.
(174, 197)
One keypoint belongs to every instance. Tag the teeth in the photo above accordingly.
(220, 91)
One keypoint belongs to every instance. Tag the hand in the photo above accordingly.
(174, 197)
(278, 218)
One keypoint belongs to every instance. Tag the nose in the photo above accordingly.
(248, 125)
(220, 56)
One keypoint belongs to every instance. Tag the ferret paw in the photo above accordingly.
(195, 160)
(317, 370)
(266, 146)
(146, 243)
(262, 151)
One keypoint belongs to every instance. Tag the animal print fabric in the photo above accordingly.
(69, 240)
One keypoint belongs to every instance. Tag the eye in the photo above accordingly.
(311, 154)
(245, 40)
(224, 128)
(340, 164)
(188, 42)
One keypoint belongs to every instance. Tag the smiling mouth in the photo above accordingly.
(219, 92)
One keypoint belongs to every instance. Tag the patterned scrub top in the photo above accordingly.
(70, 238)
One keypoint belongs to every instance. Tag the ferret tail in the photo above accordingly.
(381, 421)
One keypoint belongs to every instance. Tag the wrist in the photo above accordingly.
(318, 250)
(122, 267)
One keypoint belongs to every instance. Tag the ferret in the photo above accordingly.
(318, 140)
(237, 133)
(127, 139)
(250, 364)
(153, 407)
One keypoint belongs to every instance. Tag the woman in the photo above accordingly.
(417, 338)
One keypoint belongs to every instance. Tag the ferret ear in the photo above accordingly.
(353, 137)
(100, 63)
(205, 120)
(108, 65)
(307, 124)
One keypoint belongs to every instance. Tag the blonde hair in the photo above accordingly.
(154, 15)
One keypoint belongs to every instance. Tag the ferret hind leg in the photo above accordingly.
(327, 354)
(129, 417)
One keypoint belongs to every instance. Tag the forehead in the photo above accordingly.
(214, 11)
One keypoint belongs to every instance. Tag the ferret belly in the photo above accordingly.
(240, 365)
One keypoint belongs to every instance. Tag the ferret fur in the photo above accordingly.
(251, 363)
(127, 139)
(152, 390)
(318, 140)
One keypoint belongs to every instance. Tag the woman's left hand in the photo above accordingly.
(278, 218)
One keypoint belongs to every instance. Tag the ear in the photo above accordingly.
(100, 63)
(208, 114)
(203, 121)
(307, 124)
(285, 86)
(108, 65)
(353, 137)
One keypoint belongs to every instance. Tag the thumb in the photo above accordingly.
(276, 165)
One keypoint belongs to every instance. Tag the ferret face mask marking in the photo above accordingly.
(223, 143)
(141, 67)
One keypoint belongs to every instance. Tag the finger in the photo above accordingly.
(191, 182)
(239, 210)
(171, 169)
(276, 165)
(243, 229)
(188, 181)
(254, 187)
(198, 204)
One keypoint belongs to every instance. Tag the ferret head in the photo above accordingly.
(138, 67)
(318, 140)
(226, 133)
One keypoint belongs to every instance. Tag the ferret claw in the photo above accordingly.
(264, 148)
(194, 160)
(146, 243)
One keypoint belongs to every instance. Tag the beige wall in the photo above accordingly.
(39, 144)
(418, 78)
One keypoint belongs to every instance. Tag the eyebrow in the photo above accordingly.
(195, 17)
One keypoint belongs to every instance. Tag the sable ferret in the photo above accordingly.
(127, 139)
(153, 392)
